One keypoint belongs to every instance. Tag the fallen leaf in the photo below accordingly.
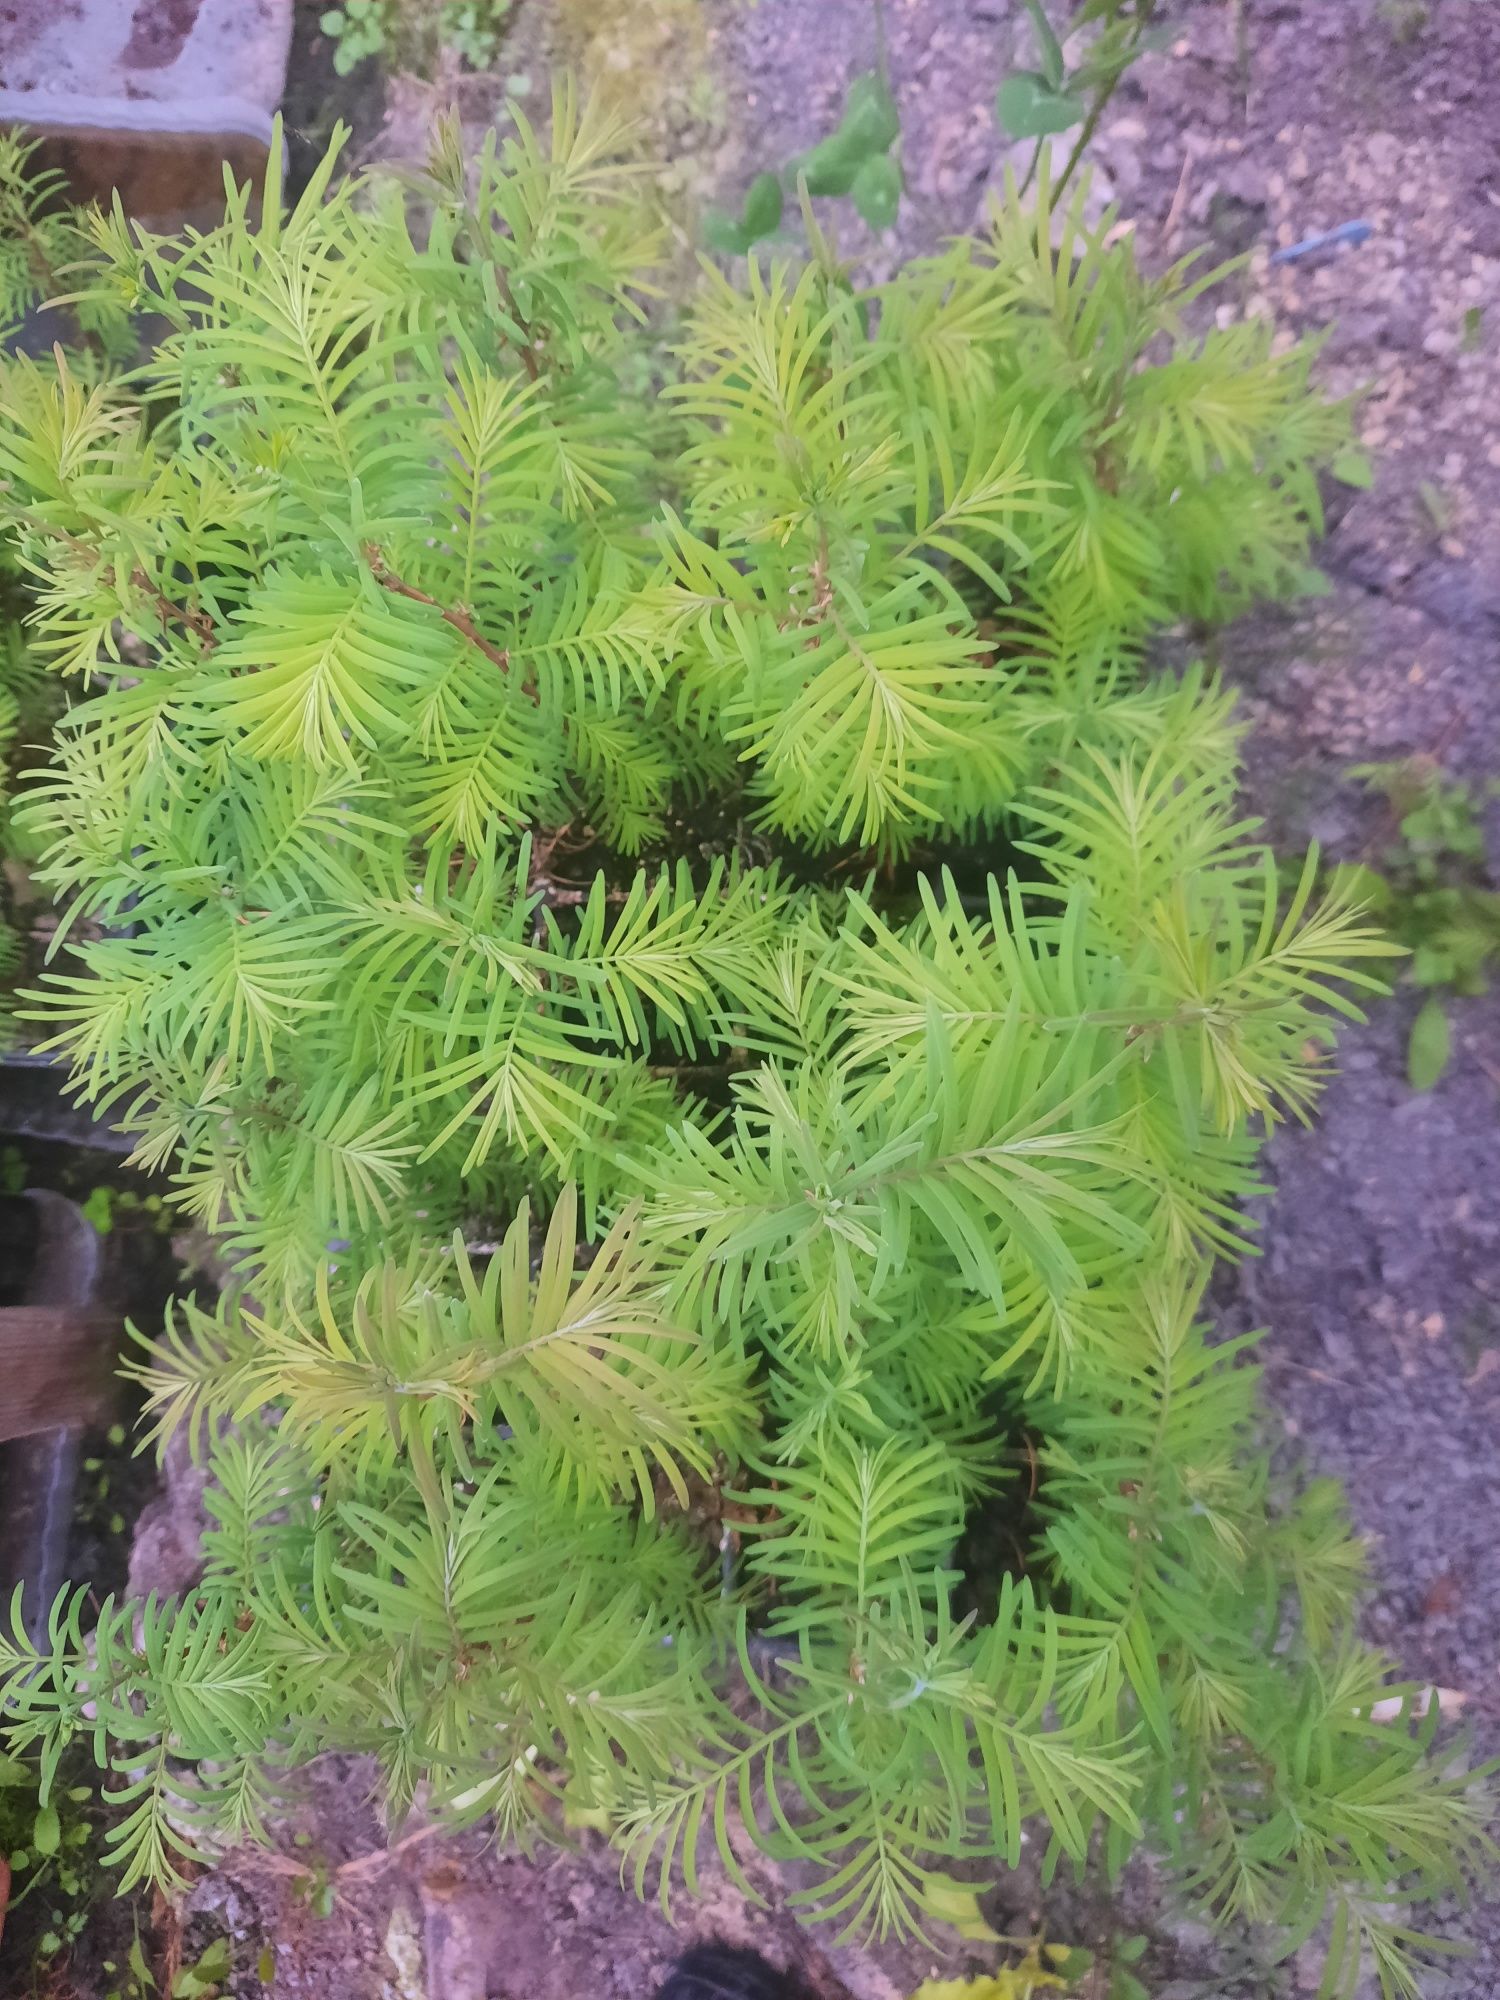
(1450, 1702)
(1016, 1982)
(1017, 1985)
(1442, 1598)
(957, 1903)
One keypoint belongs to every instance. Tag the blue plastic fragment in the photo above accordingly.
(1326, 239)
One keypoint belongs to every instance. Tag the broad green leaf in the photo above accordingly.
(1430, 1046)
(868, 127)
(759, 216)
(876, 189)
(722, 233)
(831, 166)
(1434, 964)
(763, 202)
(871, 121)
(1352, 467)
(207, 1975)
(1029, 108)
(46, 1831)
(957, 1904)
(1364, 884)
(1052, 55)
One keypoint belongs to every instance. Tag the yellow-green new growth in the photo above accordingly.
(404, 614)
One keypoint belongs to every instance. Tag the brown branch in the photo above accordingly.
(382, 1857)
(527, 346)
(455, 615)
(196, 621)
(347, 1871)
(821, 581)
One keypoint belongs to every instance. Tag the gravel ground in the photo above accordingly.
(1261, 123)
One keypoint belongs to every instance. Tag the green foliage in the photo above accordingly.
(11, 945)
(39, 232)
(40, 237)
(759, 217)
(411, 34)
(1028, 108)
(205, 1977)
(1435, 893)
(43, 237)
(393, 586)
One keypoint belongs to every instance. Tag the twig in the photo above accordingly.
(527, 346)
(348, 1871)
(380, 1857)
(167, 1925)
(196, 621)
(455, 615)
(1090, 127)
(1179, 200)
(822, 598)
(1106, 92)
(1036, 161)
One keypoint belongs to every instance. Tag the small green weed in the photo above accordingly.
(1406, 21)
(860, 157)
(106, 1207)
(411, 34)
(1434, 889)
(53, 1855)
(204, 1979)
